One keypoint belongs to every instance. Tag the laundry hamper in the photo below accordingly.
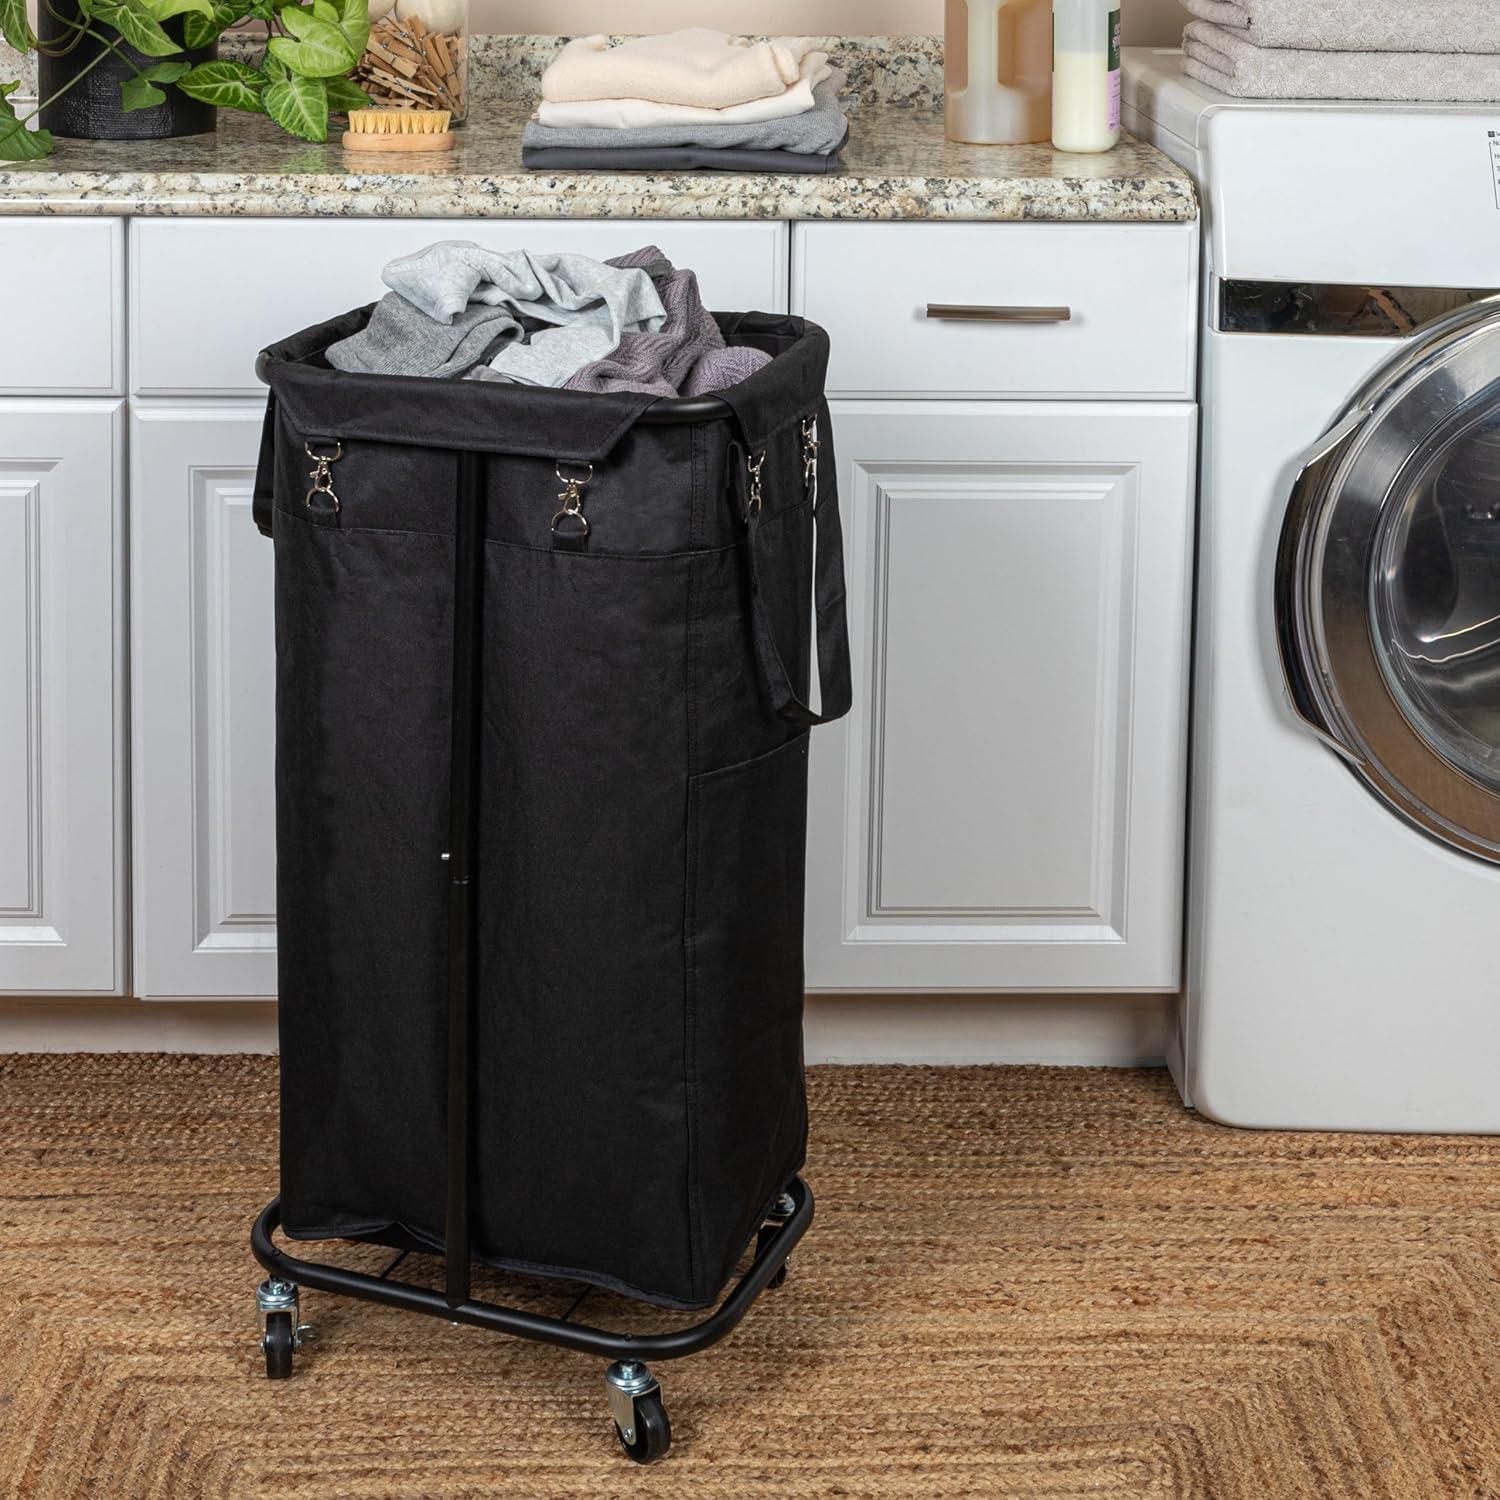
(543, 698)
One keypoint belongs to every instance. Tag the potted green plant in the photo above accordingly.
(301, 78)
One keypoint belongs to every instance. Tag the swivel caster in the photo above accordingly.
(277, 1342)
(783, 1211)
(640, 1418)
(281, 1331)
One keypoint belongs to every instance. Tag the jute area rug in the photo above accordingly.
(1022, 1282)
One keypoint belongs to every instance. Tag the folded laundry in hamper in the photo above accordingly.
(1225, 60)
(817, 131)
(687, 356)
(1360, 25)
(455, 303)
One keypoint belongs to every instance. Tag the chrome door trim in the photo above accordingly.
(1320, 309)
(1298, 674)
(1331, 672)
(1419, 348)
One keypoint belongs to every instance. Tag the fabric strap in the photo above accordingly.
(770, 625)
(263, 496)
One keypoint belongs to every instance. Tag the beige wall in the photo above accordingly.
(1151, 22)
(1156, 23)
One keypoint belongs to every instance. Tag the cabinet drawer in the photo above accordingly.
(208, 295)
(69, 337)
(1129, 291)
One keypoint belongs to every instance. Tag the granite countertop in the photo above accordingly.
(897, 165)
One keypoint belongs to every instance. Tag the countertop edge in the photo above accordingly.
(860, 197)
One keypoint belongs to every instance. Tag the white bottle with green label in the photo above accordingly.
(1085, 74)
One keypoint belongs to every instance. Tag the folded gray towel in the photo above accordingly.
(814, 132)
(674, 159)
(687, 357)
(1225, 60)
(429, 326)
(1360, 25)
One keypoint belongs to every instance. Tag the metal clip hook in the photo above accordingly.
(753, 466)
(810, 446)
(320, 474)
(570, 497)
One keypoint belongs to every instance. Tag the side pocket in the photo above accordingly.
(747, 844)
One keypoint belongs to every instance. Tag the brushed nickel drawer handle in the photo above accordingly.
(968, 313)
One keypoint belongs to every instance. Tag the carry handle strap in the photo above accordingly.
(835, 679)
(263, 496)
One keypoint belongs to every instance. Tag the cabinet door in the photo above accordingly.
(1004, 808)
(202, 696)
(61, 705)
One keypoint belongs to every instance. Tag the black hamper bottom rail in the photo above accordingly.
(634, 1393)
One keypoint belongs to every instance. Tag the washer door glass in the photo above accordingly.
(1435, 597)
(1388, 583)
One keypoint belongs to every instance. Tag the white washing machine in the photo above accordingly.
(1344, 910)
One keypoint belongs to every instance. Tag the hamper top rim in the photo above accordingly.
(664, 411)
(536, 421)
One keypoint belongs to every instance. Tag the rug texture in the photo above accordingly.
(1021, 1282)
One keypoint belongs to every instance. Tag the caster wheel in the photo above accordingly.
(650, 1431)
(278, 1342)
(768, 1233)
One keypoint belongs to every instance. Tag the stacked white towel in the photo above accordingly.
(1428, 50)
(689, 98)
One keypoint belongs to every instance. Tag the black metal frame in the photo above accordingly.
(542, 1328)
(455, 1302)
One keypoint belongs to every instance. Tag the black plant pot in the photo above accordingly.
(91, 109)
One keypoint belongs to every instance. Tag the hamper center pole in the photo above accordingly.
(468, 576)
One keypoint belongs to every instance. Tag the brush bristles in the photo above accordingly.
(399, 121)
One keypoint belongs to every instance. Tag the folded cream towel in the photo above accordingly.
(815, 131)
(1361, 25)
(647, 114)
(1224, 59)
(697, 66)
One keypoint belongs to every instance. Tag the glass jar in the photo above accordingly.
(417, 56)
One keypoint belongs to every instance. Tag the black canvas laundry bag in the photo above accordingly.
(645, 662)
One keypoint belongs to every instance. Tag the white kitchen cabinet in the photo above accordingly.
(61, 697)
(1004, 808)
(1002, 811)
(202, 693)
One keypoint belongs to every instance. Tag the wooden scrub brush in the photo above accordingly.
(398, 130)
